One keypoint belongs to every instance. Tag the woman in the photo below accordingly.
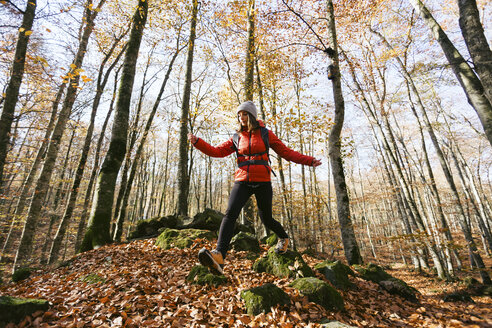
(251, 177)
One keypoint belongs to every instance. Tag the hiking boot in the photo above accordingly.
(212, 260)
(282, 245)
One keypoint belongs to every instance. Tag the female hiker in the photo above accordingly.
(251, 143)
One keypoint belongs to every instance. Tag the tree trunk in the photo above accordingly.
(67, 215)
(352, 253)
(12, 91)
(25, 247)
(476, 42)
(98, 230)
(27, 185)
(122, 213)
(470, 83)
(250, 53)
(183, 178)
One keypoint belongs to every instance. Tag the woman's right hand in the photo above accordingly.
(192, 138)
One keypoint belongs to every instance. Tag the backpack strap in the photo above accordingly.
(265, 136)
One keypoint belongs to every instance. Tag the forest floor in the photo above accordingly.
(140, 285)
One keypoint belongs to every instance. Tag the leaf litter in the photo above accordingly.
(139, 284)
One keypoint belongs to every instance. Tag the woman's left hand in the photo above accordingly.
(316, 162)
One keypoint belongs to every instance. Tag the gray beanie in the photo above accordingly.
(249, 107)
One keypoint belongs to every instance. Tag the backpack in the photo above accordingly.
(266, 141)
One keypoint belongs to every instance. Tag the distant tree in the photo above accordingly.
(98, 230)
(12, 92)
(183, 178)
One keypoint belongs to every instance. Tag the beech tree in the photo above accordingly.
(98, 230)
(12, 92)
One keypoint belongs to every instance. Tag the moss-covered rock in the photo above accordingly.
(270, 240)
(460, 296)
(319, 292)
(244, 241)
(336, 272)
(150, 228)
(392, 285)
(207, 220)
(285, 265)
(263, 298)
(182, 238)
(22, 274)
(13, 309)
(200, 275)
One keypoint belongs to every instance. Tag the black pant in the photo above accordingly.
(241, 191)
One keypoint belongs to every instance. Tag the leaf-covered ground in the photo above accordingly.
(141, 285)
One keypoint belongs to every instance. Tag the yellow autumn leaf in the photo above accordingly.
(73, 66)
(22, 29)
(28, 33)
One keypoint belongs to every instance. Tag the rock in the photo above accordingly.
(182, 238)
(457, 297)
(261, 299)
(334, 324)
(389, 283)
(285, 265)
(319, 292)
(21, 274)
(207, 220)
(150, 228)
(336, 272)
(244, 241)
(270, 240)
(470, 282)
(13, 309)
(200, 275)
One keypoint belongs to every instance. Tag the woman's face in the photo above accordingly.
(243, 117)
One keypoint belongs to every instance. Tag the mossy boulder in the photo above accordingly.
(392, 285)
(182, 238)
(207, 220)
(244, 241)
(270, 240)
(200, 275)
(288, 265)
(263, 298)
(22, 274)
(150, 228)
(336, 272)
(13, 309)
(459, 296)
(319, 292)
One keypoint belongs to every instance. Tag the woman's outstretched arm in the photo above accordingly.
(222, 150)
(289, 154)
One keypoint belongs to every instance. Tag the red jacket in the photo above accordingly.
(252, 143)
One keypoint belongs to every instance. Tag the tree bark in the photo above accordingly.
(25, 247)
(122, 213)
(352, 253)
(471, 84)
(183, 177)
(98, 230)
(12, 91)
(74, 190)
(476, 42)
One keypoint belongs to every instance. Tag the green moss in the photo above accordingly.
(336, 272)
(150, 227)
(244, 241)
(92, 278)
(21, 274)
(207, 220)
(13, 309)
(319, 292)
(372, 272)
(182, 238)
(263, 298)
(271, 240)
(200, 275)
(285, 265)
